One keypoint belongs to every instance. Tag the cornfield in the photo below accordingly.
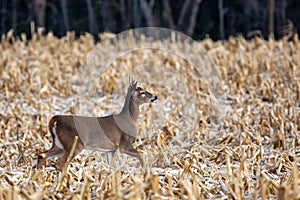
(251, 152)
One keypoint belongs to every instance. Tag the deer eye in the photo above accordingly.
(143, 94)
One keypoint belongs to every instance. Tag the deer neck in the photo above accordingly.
(131, 108)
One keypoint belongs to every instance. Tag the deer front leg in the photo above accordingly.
(130, 150)
(110, 156)
(126, 146)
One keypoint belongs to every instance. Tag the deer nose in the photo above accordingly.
(153, 98)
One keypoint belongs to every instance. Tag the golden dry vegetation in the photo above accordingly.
(251, 152)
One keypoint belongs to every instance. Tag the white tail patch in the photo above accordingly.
(56, 140)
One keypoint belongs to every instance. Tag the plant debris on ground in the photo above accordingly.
(253, 153)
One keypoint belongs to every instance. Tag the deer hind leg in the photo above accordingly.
(53, 152)
(67, 149)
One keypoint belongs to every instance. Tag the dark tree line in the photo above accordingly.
(197, 18)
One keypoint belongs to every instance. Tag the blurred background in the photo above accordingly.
(197, 18)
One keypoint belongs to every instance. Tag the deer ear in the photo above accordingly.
(130, 78)
(133, 87)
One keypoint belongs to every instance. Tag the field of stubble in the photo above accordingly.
(251, 152)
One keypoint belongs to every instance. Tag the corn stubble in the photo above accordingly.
(254, 154)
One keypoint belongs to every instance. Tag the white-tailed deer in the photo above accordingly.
(105, 134)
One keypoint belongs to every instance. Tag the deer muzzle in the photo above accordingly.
(154, 98)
